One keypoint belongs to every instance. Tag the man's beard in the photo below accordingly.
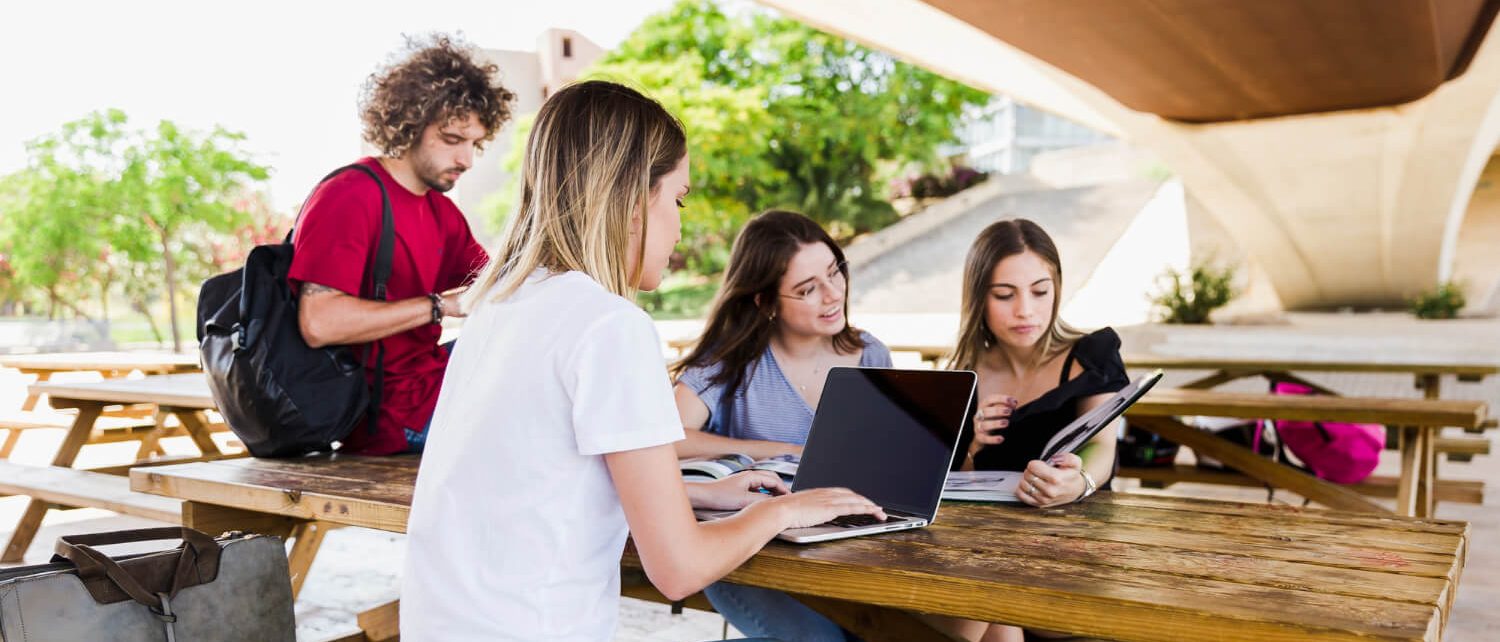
(434, 179)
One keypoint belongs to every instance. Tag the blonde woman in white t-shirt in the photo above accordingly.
(556, 415)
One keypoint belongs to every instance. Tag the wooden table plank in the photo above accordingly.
(189, 390)
(1118, 567)
(1379, 366)
(1219, 507)
(148, 362)
(304, 496)
(1166, 402)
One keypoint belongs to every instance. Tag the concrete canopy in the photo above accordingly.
(1353, 207)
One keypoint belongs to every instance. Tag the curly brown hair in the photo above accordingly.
(440, 80)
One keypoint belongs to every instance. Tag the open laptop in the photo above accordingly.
(887, 434)
(1001, 485)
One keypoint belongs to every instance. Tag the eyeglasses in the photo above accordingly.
(812, 293)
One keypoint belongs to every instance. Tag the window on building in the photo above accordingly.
(567, 47)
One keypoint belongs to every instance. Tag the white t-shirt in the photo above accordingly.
(516, 530)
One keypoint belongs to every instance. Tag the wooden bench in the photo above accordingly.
(106, 429)
(1462, 449)
(1381, 486)
(58, 487)
(184, 396)
(1418, 422)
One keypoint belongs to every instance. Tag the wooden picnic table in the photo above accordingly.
(109, 364)
(1117, 566)
(1418, 422)
(185, 396)
(1427, 374)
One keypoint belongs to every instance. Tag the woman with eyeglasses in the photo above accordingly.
(753, 380)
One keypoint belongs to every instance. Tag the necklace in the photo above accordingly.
(803, 386)
(817, 367)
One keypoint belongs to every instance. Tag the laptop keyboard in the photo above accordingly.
(855, 521)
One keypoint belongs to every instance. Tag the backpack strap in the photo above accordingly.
(378, 276)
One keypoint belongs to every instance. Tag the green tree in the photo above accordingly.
(783, 115)
(778, 115)
(53, 217)
(101, 202)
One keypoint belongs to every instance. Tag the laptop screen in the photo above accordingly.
(887, 434)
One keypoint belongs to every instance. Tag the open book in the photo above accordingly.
(710, 468)
(1000, 485)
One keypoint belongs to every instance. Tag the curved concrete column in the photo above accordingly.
(1347, 208)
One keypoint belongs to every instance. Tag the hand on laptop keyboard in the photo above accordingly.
(855, 521)
(819, 505)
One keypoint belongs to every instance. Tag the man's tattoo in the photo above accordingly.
(309, 289)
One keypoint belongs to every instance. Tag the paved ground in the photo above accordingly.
(358, 568)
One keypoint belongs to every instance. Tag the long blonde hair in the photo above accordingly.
(1000, 240)
(596, 153)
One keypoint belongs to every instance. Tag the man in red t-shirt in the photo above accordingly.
(427, 114)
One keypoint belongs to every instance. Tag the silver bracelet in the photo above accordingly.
(1088, 484)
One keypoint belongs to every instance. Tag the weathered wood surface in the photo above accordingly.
(1465, 371)
(373, 492)
(1445, 490)
(1431, 413)
(1118, 566)
(147, 362)
(189, 390)
(78, 488)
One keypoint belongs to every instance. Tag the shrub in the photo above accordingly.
(1441, 303)
(1189, 297)
(935, 185)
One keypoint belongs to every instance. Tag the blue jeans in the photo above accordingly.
(416, 440)
(767, 613)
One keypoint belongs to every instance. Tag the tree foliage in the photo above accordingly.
(782, 115)
(102, 204)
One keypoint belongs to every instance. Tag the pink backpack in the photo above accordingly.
(1338, 452)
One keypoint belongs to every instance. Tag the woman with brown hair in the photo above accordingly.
(754, 379)
(777, 325)
(1036, 375)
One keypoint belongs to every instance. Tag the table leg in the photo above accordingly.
(382, 622)
(1406, 489)
(1426, 472)
(1261, 468)
(11, 437)
(197, 428)
(151, 442)
(1215, 380)
(31, 520)
(1431, 385)
(307, 538)
(31, 397)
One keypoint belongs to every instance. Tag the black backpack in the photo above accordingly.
(281, 397)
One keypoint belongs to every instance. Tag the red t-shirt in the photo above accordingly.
(435, 251)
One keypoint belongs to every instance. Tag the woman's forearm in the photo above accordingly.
(705, 444)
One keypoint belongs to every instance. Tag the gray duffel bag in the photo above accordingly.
(231, 589)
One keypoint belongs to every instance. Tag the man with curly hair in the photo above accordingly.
(427, 113)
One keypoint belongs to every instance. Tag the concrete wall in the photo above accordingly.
(1476, 263)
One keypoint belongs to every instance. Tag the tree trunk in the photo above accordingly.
(166, 253)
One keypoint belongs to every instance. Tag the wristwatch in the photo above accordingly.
(1088, 484)
(437, 307)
